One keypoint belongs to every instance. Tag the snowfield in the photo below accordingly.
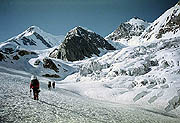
(133, 84)
(145, 75)
(61, 105)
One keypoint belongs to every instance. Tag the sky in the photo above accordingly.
(59, 16)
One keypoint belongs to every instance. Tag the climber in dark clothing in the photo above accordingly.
(49, 85)
(53, 84)
(34, 85)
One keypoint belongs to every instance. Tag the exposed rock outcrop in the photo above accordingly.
(79, 44)
(128, 30)
(165, 27)
(1, 56)
(48, 63)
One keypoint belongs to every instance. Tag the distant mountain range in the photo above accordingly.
(80, 43)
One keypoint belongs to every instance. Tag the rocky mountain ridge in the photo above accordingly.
(165, 27)
(79, 44)
(128, 30)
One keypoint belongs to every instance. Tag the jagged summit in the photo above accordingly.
(137, 21)
(78, 31)
(80, 43)
(128, 30)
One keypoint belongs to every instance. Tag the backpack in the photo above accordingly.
(34, 83)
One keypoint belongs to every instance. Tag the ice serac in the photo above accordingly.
(34, 39)
(79, 44)
(165, 27)
(128, 31)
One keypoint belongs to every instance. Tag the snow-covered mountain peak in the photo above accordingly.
(165, 27)
(128, 31)
(78, 31)
(35, 38)
(137, 21)
(34, 29)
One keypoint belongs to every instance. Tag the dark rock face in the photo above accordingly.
(16, 57)
(42, 39)
(121, 32)
(80, 43)
(27, 41)
(48, 63)
(1, 56)
(51, 76)
(8, 51)
(23, 52)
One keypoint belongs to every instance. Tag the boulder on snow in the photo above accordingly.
(143, 82)
(114, 73)
(51, 75)
(154, 62)
(2, 57)
(23, 52)
(164, 64)
(16, 57)
(48, 63)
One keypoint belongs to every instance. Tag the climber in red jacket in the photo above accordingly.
(34, 85)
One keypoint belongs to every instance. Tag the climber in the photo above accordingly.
(49, 85)
(34, 85)
(53, 84)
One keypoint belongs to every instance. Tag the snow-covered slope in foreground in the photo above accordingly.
(63, 106)
(147, 75)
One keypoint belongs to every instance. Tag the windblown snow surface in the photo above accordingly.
(65, 106)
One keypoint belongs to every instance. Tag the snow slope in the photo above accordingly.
(145, 75)
(165, 27)
(60, 105)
